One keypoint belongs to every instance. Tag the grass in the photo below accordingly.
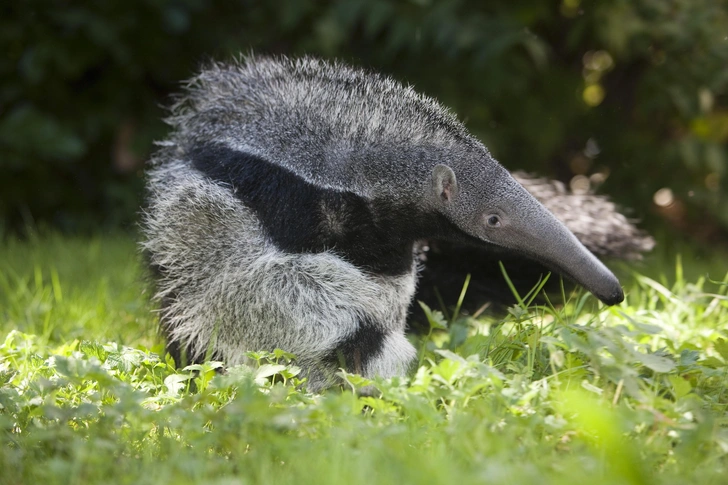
(562, 393)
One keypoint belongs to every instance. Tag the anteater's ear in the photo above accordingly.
(444, 184)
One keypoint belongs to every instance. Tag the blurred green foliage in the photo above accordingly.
(631, 93)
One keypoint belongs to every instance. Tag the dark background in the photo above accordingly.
(630, 95)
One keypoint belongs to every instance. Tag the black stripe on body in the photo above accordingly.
(301, 217)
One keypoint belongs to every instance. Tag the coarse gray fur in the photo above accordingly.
(226, 289)
(406, 167)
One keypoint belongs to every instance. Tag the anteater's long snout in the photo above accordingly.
(541, 236)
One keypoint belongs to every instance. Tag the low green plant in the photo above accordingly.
(561, 392)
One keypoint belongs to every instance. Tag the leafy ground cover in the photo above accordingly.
(559, 393)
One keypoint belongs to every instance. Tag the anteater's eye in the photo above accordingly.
(494, 221)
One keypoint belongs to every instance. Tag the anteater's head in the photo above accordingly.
(487, 204)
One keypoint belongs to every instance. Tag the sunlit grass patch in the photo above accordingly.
(567, 391)
(63, 288)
